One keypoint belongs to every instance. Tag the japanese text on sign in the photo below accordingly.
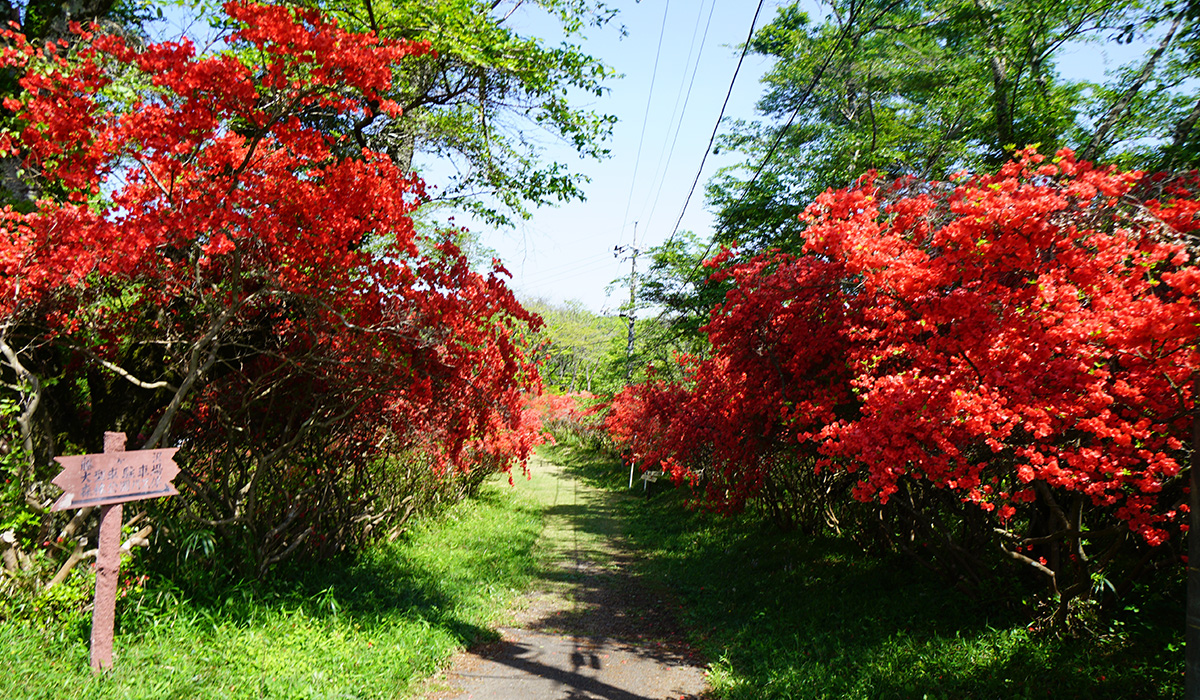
(98, 479)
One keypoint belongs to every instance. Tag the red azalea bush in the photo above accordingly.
(1024, 341)
(211, 257)
(573, 417)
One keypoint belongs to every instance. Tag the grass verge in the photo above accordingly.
(368, 629)
(789, 616)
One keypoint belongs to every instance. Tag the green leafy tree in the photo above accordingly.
(931, 88)
(576, 346)
(478, 105)
(674, 296)
(478, 101)
(45, 19)
(216, 277)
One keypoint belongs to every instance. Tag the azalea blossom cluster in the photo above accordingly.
(210, 256)
(1011, 338)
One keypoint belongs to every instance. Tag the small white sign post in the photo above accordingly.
(107, 480)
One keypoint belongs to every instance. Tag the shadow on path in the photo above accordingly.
(591, 630)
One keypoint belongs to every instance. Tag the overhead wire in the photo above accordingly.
(564, 273)
(646, 117)
(669, 152)
(812, 84)
(843, 35)
(555, 270)
(717, 127)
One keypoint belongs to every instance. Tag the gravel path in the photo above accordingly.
(590, 630)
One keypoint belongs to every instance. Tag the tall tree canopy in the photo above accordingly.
(580, 350)
(478, 105)
(485, 92)
(930, 88)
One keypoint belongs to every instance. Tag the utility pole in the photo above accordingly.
(632, 307)
(630, 317)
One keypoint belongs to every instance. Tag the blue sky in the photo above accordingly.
(566, 252)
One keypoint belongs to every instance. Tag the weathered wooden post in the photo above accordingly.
(107, 480)
(108, 567)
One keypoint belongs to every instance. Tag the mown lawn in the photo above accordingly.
(370, 629)
(788, 616)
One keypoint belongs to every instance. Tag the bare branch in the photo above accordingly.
(1096, 143)
(120, 371)
(1040, 567)
(508, 14)
(153, 177)
(34, 394)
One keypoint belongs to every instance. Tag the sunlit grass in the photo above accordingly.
(369, 629)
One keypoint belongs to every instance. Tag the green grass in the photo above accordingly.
(370, 629)
(789, 616)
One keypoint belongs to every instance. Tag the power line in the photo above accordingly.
(646, 117)
(564, 273)
(717, 127)
(670, 152)
(560, 270)
(844, 34)
(812, 84)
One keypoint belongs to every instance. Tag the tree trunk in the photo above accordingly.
(1179, 136)
(1099, 139)
(1001, 106)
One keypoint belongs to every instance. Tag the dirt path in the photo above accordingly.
(590, 630)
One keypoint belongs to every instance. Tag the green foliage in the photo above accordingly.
(676, 274)
(586, 352)
(785, 616)
(406, 488)
(15, 513)
(45, 19)
(472, 106)
(582, 351)
(278, 441)
(677, 290)
(372, 628)
(29, 553)
(927, 89)
(932, 88)
(67, 604)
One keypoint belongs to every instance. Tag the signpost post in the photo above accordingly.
(107, 480)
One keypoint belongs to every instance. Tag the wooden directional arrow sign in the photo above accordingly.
(115, 477)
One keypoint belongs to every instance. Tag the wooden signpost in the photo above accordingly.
(107, 480)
